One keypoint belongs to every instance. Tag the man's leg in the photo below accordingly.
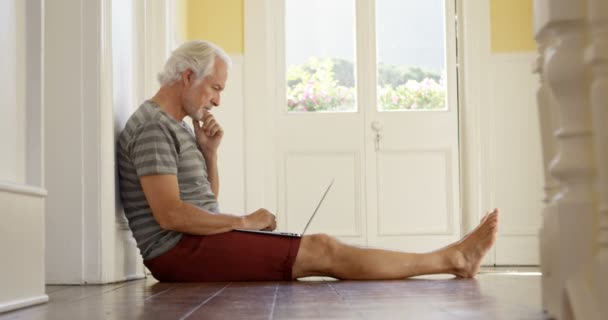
(322, 255)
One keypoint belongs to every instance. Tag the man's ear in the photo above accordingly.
(188, 77)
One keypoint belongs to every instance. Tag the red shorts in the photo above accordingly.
(230, 256)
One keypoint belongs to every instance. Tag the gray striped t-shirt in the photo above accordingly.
(153, 142)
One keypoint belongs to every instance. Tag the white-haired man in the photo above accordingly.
(169, 184)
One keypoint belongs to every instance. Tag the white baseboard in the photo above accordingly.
(22, 303)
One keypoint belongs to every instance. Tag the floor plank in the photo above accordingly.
(68, 299)
(253, 299)
(55, 288)
(496, 293)
(311, 300)
(175, 303)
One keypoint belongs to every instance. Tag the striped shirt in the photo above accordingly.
(151, 143)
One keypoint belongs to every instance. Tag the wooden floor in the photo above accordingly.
(494, 294)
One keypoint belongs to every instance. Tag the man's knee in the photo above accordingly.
(323, 246)
(316, 256)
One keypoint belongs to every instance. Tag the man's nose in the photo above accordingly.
(216, 100)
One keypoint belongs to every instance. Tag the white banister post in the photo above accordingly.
(548, 230)
(597, 58)
(573, 166)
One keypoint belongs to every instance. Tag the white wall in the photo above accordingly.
(125, 93)
(22, 245)
(231, 157)
(102, 61)
(63, 140)
(515, 163)
(82, 237)
(502, 163)
(22, 227)
(12, 133)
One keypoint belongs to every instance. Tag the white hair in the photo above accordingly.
(197, 55)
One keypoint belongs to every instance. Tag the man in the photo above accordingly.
(169, 185)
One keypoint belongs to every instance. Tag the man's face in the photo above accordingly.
(204, 94)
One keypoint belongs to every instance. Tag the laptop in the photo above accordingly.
(291, 234)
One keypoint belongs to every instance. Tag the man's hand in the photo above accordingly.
(209, 136)
(261, 219)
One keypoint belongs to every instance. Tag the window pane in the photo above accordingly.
(411, 55)
(319, 53)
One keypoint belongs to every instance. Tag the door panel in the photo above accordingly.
(319, 124)
(306, 180)
(416, 197)
(413, 160)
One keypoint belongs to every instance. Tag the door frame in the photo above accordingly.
(475, 147)
(260, 189)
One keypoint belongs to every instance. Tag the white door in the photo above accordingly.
(366, 94)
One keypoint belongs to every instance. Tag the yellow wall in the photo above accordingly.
(219, 21)
(182, 18)
(511, 25)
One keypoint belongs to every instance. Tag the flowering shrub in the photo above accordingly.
(313, 87)
(413, 95)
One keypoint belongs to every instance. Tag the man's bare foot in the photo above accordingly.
(466, 254)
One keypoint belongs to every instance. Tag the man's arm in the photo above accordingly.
(162, 194)
(212, 173)
(209, 139)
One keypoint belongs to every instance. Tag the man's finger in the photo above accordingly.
(209, 124)
(210, 128)
(197, 125)
(216, 130)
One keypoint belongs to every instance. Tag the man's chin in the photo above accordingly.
(197, 116)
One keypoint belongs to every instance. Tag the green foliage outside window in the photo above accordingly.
(329, 85)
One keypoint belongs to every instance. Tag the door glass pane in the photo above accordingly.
(320, 55)
(411, 59)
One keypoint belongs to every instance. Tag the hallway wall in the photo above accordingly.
(502, 164)
(107, 54)
(511, 26)
(12, 133)
(22, 196)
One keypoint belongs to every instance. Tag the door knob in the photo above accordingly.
(377, 125)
